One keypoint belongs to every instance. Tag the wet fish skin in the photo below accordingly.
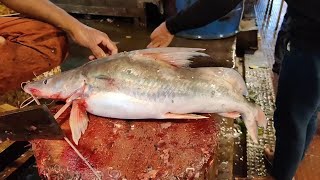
(152, 83)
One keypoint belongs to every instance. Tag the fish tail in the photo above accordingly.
(252, 129)
(260, 117)
(253, 118)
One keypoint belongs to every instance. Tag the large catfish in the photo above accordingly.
(150, 83)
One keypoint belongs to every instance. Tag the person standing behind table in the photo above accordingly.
(199, 14)
(298, 95)
(40, 44)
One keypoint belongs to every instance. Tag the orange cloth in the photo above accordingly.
(30, 46)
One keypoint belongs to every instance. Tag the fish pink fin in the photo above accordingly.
(232, 115)
(176, 56)
(183, 116)
(252, 129)
(252, 120)
(261, 118)
(78, 120)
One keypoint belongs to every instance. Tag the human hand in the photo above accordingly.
(98, 42)
(160, 37)
(2, 40)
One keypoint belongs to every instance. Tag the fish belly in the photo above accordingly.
(122, 106)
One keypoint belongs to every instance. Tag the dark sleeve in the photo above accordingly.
(199, 14)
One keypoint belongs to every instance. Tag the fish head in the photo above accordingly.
(58, 87)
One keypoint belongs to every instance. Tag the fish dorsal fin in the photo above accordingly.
(176, 56)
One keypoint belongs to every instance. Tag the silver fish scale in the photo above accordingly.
(156, 91)
(259, 83)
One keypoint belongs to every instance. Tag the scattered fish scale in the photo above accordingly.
(259, 82)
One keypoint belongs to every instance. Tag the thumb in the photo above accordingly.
(2, 40)
(98, 52)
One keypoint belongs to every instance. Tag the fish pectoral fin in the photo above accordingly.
(78, 120)
(261, 117)
(176, 56)
(232, 115)
(183, 116)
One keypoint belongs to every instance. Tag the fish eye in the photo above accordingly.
(45, 81)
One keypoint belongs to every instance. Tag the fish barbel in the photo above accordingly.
(150, 83)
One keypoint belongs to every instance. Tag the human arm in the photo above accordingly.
(197, 15)
(48, 12)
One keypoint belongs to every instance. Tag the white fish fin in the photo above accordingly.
(261, 118)
(183, 116)
(78, 120)
(252, 119)
(252, 129)
(232, 115)
(168, 50)
(229, 75)
(173, 55)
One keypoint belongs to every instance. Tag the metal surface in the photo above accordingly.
(260, 87)
(247, 38)
(224, 27)
(259, 81)
(34, 122)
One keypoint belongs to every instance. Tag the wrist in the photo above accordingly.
(169, 24)
(71, 26)
(166, 28)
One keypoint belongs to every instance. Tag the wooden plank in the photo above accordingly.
(105, 3)
(6, 107)
(226, 149)
(4, 145)
(10, 150)
(103, 10)
(15, 165)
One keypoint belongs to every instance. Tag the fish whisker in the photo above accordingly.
(56, 116)
(35, 75)
(36, 99)
(26, 103)
(49, 103)
(23, 83)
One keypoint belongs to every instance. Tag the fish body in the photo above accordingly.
(150, 83)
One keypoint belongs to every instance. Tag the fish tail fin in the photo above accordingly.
(176, 56)
(253, 118)
(260, 117)
(252, 129)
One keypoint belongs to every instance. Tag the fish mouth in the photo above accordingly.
(24, 87)
(30, 90)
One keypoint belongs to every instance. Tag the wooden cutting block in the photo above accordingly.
(139, 149)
